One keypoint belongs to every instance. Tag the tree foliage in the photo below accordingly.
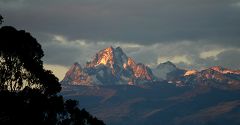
(21, 65)
(28, 92)
(1, 19)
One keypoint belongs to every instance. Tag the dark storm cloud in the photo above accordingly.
(140, 21)
(61, 55)
(157, 29)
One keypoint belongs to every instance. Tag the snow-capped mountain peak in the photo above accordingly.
(113, 66)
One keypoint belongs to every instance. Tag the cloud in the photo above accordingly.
(226, 58)
(61, 54)
(136, 21)
(229, 59)
(186, 54)
(62, 51)
(236, 4)
(58, 70)
(211, 53)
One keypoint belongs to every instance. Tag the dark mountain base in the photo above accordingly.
(161, 103)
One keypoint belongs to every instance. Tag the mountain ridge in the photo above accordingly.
(111, 66)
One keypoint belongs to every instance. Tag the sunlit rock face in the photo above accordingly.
(214, 76)
(190, 72)
(224, 70)
(76, 75)
(111, 58)
(110, 66)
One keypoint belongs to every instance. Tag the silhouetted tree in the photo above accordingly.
(79, 117)
(1, 19)
(28, 92)
(21, 65)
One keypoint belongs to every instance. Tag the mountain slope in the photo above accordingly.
(160, 103)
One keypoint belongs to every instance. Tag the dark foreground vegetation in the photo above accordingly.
(28, 92)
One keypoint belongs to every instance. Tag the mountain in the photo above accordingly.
(162, 103)
(214, 76)
(167, 70)
(116, 89)
(109, 66)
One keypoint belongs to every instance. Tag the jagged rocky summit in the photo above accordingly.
(111, 66)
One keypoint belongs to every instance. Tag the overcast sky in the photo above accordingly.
(193, 34)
